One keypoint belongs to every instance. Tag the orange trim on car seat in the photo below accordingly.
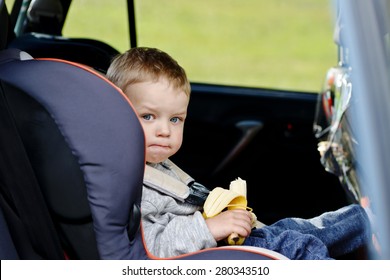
(236, 248)
(91, 70)
(149, 254)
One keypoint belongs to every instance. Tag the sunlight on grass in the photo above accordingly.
(275, 44)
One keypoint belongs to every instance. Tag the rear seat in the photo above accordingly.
(41, 37)
(93, 53)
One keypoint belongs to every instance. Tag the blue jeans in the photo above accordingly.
(327, 236)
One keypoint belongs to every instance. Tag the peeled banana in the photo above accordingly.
(233, 198)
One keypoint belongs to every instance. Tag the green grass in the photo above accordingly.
(276, 44)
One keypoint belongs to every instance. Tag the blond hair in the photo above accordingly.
(142, 64)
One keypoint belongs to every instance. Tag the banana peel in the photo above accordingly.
(233, 198)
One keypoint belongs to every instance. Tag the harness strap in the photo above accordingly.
(166, 184)
(182, 188)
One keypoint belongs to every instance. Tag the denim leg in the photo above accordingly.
(342, 231)
(292, 244)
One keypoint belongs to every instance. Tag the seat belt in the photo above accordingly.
(22, 190)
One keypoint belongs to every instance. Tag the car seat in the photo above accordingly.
(7, 246)
(72, 163)
(53, 147)
(40, 35)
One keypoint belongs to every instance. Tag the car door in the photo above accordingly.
(265, 137)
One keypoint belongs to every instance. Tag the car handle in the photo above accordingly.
(249, 130)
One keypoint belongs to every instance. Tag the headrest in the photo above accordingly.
(50, 9)
(103, 133)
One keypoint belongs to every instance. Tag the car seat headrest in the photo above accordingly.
(49, 9)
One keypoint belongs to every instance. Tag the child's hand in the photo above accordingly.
(227, 222)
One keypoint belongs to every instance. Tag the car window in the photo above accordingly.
(280, 44)
(102, 20)
(277, 44)
(9, 4)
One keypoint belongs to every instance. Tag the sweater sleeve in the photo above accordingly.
(172, 228)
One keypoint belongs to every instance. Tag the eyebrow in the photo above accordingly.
(153, 109)
(181, 113)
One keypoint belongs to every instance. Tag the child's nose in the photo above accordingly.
(163, 128)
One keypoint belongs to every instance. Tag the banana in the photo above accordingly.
(238, 186)
(219, 199)
(234, 198)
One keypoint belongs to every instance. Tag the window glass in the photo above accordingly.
(99, 19)
(280, 44)
(277, 44)
(9, 4)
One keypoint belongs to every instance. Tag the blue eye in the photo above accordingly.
(175, 119)
(147, 117)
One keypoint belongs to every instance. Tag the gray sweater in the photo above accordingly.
(172, 227)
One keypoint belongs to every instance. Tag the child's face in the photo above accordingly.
(161, 111)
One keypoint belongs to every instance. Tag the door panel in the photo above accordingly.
(279, 161)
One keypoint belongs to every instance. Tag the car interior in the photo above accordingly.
(58, 192)
(42, 38)
(59, 198)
